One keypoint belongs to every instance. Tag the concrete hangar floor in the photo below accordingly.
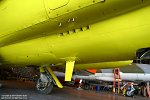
(67, 93)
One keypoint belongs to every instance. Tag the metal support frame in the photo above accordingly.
(117, 79)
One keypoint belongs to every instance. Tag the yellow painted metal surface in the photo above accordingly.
(91, 32)
(42, 70)
(54, 5)
(61, 7)
(20, 14)
(69, 70)
(54, 77)
(104, 65)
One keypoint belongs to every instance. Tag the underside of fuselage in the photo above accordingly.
(114, 39)
(71, 33)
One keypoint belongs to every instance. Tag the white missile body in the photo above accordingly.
(110, 77)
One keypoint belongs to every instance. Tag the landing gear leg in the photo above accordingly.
(46, 81)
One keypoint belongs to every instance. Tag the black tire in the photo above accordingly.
(86, 86)
(130, 94)
(44, 90)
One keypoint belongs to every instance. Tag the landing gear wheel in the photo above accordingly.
(86, 86)
(130, 94)
(44, 87)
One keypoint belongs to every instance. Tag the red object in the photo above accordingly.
(92, 71)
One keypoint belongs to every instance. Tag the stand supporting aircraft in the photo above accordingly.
(80, 34)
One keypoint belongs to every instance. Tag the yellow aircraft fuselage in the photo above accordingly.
(38, 32)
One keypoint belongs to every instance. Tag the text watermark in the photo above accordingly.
(14, 97)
